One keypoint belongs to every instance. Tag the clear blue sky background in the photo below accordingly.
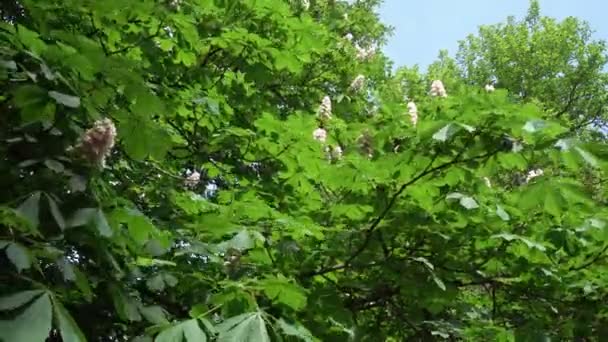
(423, 27)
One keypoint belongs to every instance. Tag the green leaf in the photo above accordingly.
(33, 325)
(156, 283)
(67, 269)
(30, 209)
(18, 299)
(445, 133)
(188, 331)
(173, 334)
(94, 216)
(465, 201)
(438, 281)
(56, 212)
(153, 314)
(500, 211)
(193, 331)
(248, 327)
(281, 290)
(66, 100)
(19, 256)
(143, 138)
(30, 39)
(297, 330)
(69, 330)
(126, 307)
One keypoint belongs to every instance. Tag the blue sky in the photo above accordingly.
(422, 28)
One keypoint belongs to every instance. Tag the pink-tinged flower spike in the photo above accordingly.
(437, 89)
(413, 112)
(489, 88)
(193, 179)
(357, 84)
(325, 108)
(96, 143)
(320, 134)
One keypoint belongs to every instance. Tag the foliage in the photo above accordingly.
(212, 213)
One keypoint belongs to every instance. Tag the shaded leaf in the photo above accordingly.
(19, 256)
(66, 100)
(69, 330)
(32, 325)
(30, 209)
(18, 299)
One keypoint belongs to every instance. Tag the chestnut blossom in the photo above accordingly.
(319, 134)
(96, 143)
(487, 181)
(533, 174)
(413, 112)
(336, 153)
(357, 84)
(325, 108)
(489, 88)
(365, 53)
(437, 89)
(306, 4)
(349, 36)
(192, 179)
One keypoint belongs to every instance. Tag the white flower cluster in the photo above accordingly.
(413, 112)
(357, 84)
(96, 143)
(437, 89)
(320, 134)
(192, 179)
(533, 174)
(365, 53)
(325, 108)
(305, 4)
(336, 153)
(489, 88)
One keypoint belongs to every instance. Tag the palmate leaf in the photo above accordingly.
(64, 99)
(247, 327)
(295, 330)
(30, 209)
(69, 330)
(187, 331)
(35, 321)
(19, 256)
(281, 290)
(33, 324)
(18, 299)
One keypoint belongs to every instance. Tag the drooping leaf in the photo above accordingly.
(64, 99)
(281, 290)
(18, 299)
(69, 330)
(19, 256)
(248, 327)
(30, 209)
(33, 324)
(295, 330)
(57, 215)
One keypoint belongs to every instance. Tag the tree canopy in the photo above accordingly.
(218, 170)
